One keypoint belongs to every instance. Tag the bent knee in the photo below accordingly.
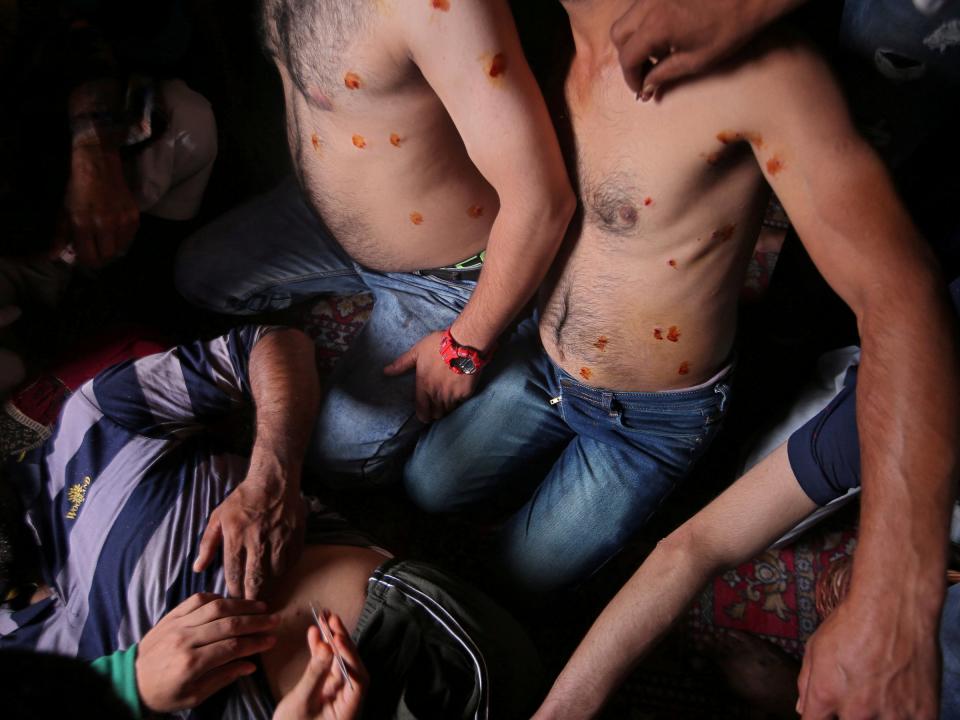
(192, 123)
(431, 485)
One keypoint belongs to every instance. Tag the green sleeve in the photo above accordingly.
(120, 669)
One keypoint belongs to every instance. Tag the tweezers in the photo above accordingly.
(328, 639)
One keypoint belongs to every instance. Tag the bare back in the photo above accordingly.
(671, 202)
(375, 146)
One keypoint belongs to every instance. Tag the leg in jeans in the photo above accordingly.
(631, 450)
(950, 647)
(265, 255)
(367, 421)
(491, 441)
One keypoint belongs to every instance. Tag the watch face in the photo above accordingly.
(464, 365)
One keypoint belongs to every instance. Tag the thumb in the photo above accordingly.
(316, 672)
(208, 544)
(404, 363)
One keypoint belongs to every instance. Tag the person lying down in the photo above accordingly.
(102, 524)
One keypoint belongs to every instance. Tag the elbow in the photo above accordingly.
(689, 547)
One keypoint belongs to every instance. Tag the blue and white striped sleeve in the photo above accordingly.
(179, 391)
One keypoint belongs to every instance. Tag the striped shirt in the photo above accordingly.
(118, 498)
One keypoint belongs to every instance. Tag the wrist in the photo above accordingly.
(460, 358)
(276, 470)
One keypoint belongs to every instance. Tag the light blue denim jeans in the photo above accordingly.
(612, 457)
(275, 251)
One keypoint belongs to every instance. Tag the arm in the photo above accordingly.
(686, 36)
(844, 207)
(742, 522)
(261, 521)
(102, 212)
(474, 63)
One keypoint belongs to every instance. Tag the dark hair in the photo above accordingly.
(39, 685)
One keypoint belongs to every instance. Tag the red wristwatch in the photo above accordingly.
(462, 359)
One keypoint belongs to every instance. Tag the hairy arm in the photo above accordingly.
(742, 522)
(471, 57)
(261, 521)
(844, 207)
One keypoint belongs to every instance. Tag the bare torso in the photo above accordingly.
(374, 147)
(646, 297)
(326, 576)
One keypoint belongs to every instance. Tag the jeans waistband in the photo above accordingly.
(467, 269)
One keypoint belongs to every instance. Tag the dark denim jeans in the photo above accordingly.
(615, 456)
(275, 251)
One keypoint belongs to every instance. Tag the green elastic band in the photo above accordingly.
(472, 262)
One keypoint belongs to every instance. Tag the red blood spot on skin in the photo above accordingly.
(774, 165)
(498, 66)
(394, 139)
(443, 5)
(315, 141)
(658, 333)
(672, 263)
(475, 211)
(586, 373)
(673, 334)
(352, 81)
(416, 218)
(727, 137)
(359, 141)
(723, 234)
(648, 201)
(684, 368)
(601, 343)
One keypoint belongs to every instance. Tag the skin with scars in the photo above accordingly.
(498, 66)
(359, 141)
(658, 333)
(475, 211)
(673, 334)
(601, 343)
(416, 218)
(586, 373)
(315, 142)
(774, 165)
(648, 201)
(723, 234)
(684, 368)
(443, 5)
(672, 263)
(394, 139)
(352, 81)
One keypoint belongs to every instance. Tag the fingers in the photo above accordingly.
(253, 577)
(670, 69)
(347, 649)
(233, 626)
(802, 683)
(225, 607)
(317, 671)
(404, 363)
(194, 602)
(422, 404)
(227, 650)
(234, 556)
(212, 536)
(84, 245)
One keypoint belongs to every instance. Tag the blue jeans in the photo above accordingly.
(615, 456)
(950, 647)
(275, 251)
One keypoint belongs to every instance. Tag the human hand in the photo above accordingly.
(439, 389)
(196, 649)
(685, 37)
(865, 662)
(261, 525)
(102, 214)
(323, 693)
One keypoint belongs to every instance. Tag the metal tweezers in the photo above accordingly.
(328, 639)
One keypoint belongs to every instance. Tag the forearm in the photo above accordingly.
(283, 379)
(631, 624)
(908, 426)
(523, 242)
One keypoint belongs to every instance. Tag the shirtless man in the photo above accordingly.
(638, 322)
(424, 153)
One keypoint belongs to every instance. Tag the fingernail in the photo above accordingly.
(648, 92)
(638, 96)
(195, 564)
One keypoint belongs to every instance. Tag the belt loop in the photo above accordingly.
(721, 389)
